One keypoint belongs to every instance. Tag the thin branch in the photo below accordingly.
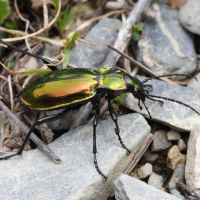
(37, 32)
(45, 13)
(25, 20)
(33, 137)
(139, 153)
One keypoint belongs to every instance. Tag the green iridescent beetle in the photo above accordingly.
(73, 88)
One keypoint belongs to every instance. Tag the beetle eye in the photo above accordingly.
(135, 90)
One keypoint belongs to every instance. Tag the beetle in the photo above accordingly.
(72, 88)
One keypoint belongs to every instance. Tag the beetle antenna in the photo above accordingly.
(45, 60)
(155, 77)
(147, 110)
(173, 100)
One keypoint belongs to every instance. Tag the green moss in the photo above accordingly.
(4, 10)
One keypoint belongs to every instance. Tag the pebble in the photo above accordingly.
(189, 16)
(160, 142)
(145, 170)
(175, 157)
(192, 171)
(181, 145)
(156, 180)
(173, 135)
(178, 175)
(176, 193)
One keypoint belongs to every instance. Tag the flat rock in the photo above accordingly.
(37, 177)
(86, 56)
(189, 16)
(192, 171)
(129, 188)
(174, 115)
(165, 46)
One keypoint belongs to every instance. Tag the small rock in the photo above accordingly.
(155, 180)
(181, 145)
(145, 170)
(176, 53)
(178, 175)
(129, 188)
(192, 171)
(189, 16)
(175, 157)
(160, 142)
(176, 193)
(173, 135)
(194, 84)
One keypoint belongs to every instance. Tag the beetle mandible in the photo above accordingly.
(73, 88)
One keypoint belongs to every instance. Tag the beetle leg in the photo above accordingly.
(39, 122)
(95, 123)
(114, 118)
(139, 105)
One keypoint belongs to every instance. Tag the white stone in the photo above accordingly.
(192, 171)
(195, 84)
(155, 180)
(173, 135)
(145, 170)
(181, 145)
(189, 16)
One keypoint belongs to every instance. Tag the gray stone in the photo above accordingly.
(173, 135)
(178, 175)
(129, 188)
(181, 145)
(166, 47)
(65, 122)
(37, 177)
(174, 115)
(156, 180)
(192, 171)
(87, 56)
(175, 157)
(145, 170)
(160, 142)
(189, 16)
(176, 193)
(194, 84)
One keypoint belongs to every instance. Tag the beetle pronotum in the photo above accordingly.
(72, 88)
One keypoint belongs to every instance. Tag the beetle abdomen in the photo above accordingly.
(59, 93)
